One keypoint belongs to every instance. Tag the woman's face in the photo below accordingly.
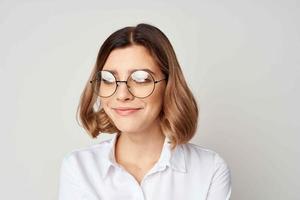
(123, 61)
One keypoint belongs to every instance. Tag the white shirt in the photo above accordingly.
(190, 172)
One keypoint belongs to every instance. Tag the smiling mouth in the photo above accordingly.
(126, 112)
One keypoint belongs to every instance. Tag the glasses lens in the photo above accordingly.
(140, 84)
(105, 84)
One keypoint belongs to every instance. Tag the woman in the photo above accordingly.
(145, 103)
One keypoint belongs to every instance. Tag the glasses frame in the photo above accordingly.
(118, 81)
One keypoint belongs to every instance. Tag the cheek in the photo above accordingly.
(155, 101)
(104, 104)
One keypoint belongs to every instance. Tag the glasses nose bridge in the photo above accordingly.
(117, 82)
(122, 93)
(127, 86)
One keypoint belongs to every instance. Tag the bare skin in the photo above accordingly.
(139, 153)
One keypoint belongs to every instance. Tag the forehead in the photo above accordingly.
(126, 60)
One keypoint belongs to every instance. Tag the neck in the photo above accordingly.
(142, 147)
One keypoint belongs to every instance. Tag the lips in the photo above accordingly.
(126, 108)
(125, 111)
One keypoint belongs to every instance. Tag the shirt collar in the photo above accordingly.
(174, 159)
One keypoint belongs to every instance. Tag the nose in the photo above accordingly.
(122, 92)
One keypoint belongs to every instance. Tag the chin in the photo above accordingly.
(129, 126)
(127, 130)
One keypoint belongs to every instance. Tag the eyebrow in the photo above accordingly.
(133, 70)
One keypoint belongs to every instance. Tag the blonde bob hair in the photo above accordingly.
(179, 114)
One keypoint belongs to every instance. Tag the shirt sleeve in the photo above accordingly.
(69, 183)
(220, 187)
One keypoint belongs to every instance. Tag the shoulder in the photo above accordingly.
(202, 153)
(208, 166)
(202, 157)
(87, 154)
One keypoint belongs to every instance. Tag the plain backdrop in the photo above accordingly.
(240, 58)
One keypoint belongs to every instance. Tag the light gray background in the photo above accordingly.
(240, 58)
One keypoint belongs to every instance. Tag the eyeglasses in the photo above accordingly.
(140, 83)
